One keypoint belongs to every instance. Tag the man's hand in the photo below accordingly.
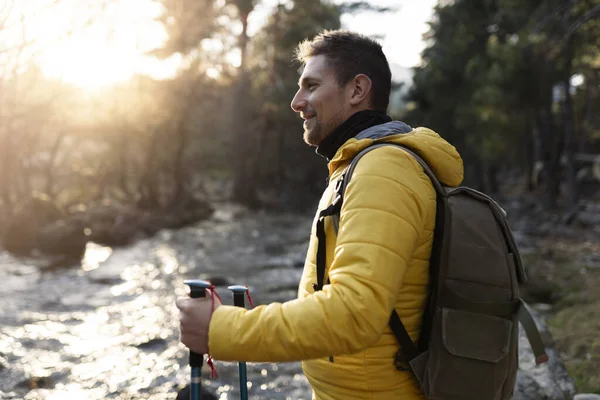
(194, 320)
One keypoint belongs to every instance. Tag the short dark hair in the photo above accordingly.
(350, 54)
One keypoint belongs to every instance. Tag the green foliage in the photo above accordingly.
(490, 76)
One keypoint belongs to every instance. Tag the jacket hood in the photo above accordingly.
(440, 155)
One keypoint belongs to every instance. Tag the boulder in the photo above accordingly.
(65, 237)
(39, 224)
(20, 233)
(109, 223)
(186, 211)
(184, 394)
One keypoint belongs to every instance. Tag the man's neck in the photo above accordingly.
(357, 123)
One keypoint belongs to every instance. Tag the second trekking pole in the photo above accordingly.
(197, 289)
(238, 301)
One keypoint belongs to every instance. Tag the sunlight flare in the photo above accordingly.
(93, 44)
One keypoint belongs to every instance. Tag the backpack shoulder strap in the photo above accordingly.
(347, 175)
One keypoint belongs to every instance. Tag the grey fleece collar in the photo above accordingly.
(383, 130)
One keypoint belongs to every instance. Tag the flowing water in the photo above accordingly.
(108, 328)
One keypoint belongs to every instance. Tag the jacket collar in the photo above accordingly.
(356, 124)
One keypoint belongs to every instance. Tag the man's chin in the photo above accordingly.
(310, 139)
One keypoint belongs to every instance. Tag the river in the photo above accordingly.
(108, 328)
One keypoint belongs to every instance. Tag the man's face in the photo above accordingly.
(322, 104)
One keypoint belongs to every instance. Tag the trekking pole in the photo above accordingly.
(197, 289)
(238, 301)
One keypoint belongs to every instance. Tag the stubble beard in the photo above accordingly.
(315, 135)
(312, 136)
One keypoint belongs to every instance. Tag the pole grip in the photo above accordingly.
(238, 300)
(238, 295)
(197, 290)
(239, 292)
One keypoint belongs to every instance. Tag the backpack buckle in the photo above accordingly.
(338, 193)
(401, 362)
(338, 184)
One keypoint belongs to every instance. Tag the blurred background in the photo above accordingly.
(147, 141)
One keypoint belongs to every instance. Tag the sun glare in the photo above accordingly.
(89, 64)
(96, 43)
(109, 49)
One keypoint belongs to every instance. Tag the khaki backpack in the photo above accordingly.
(467, 349)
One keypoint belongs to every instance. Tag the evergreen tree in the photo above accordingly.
(496, 82)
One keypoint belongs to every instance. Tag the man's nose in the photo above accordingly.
(298, 102)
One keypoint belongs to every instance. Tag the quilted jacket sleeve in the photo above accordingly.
(385, 208)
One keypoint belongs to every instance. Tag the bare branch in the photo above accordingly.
(579, 22)
(4, 14)
(69, 33)
(31, 15)
(357, 6)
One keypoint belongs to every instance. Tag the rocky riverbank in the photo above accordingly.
(107, 328)
(561, 251)
(58, 235)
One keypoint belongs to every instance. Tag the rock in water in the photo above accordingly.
(184, 394)
(20, 229)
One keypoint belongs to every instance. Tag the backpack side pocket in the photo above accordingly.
(470, 359)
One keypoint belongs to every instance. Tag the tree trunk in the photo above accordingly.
(569, 146)
(550, 157)
(591, 82)
(179, 173)
(493, 187)
(147, 184)
(529, 153)
(5, 176)
(280, 150)
(123, 165)
(51, 167)
(243, 146)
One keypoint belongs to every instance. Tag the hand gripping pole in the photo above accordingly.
(197, 289)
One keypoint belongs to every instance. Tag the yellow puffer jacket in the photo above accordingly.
(378, 261)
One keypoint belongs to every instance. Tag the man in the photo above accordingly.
(377, 261)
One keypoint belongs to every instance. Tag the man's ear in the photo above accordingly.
(360, 89)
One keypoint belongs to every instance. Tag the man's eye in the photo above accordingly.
(312, 87)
